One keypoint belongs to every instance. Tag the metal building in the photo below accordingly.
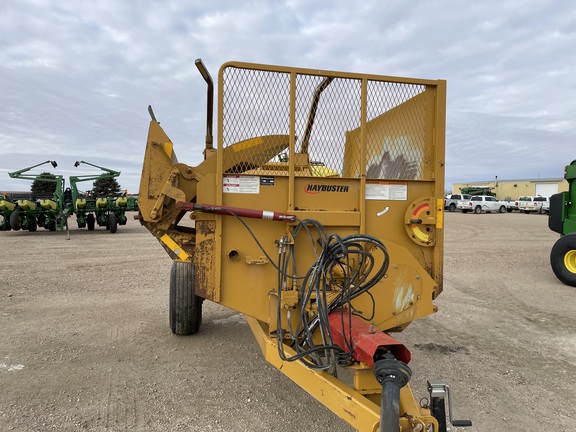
(515, 188)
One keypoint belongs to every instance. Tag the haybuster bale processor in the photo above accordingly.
(48, 212)
(319, 216)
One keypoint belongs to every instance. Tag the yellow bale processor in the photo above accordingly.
(318, 214)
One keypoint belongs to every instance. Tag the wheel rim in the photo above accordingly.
(570, 261)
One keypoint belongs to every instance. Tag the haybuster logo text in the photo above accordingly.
(317, 188)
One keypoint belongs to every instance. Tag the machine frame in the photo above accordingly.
(328, 170)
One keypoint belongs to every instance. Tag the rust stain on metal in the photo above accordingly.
(204, 260)
(205, 228)
(204, 268)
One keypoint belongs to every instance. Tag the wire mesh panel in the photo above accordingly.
(325, 125)
(395, 132)
(260, 108)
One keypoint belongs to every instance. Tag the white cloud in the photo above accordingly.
(78, 76)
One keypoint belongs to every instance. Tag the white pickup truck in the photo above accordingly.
(451, 201)
(529, 204)
(544, 203)
(511, 205)
(483, 203)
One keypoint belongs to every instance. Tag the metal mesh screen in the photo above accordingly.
(256, 116)
(397, 149)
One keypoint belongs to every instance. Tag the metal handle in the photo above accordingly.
(209, 101)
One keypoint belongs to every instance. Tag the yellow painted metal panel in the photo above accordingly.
(174, 247)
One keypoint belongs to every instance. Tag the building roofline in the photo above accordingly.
(540, 180)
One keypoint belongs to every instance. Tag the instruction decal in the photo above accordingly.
(387, 191)
(241, 184)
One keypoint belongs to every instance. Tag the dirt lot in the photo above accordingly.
(85, 343)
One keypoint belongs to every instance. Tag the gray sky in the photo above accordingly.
(77, 75)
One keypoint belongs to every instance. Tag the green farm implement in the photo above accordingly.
(6, 209)
(562, 219)
(91, 210)
(52, 212)
(47, 212)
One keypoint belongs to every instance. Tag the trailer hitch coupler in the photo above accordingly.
(392, 374)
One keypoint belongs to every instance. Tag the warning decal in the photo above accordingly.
(388, 191)
(241, 184)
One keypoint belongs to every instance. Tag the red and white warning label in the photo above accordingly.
(241, 184)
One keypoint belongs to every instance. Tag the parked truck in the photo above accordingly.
(318, 214)
(483, 203)
(451, 201)
(562, 219)
(542, 203)
(531, 204)
(511, 205)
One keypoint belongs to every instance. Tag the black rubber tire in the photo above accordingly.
(6, 224)
(464, 211)
(478, 210)
(15, 220)
(527, 211)
(452, 207)
(41, 219)
(90, 222)
(509, 210)
(32, 225)
(112, 223)
(52, 225)
(563, 259)
(502, 209)
(185, 307)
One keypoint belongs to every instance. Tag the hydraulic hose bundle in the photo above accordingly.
(345, 269)
(341, 273)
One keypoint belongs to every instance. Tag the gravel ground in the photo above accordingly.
(86, 346)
